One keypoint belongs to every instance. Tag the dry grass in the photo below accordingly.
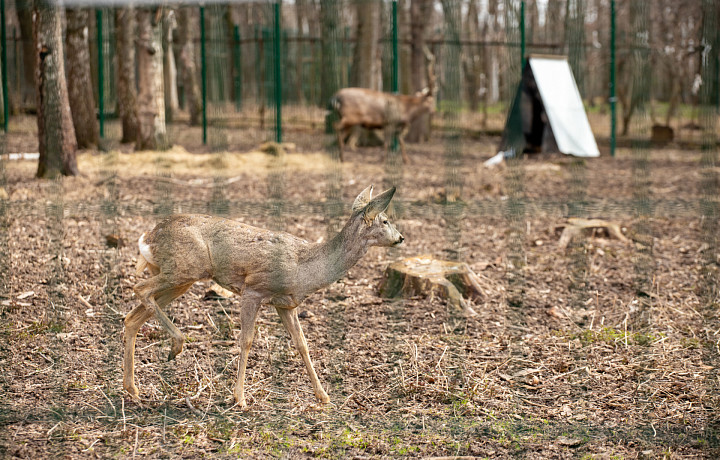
(178, 161)
(612, 352)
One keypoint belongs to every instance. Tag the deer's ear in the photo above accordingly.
(363, 199)
(377, 205)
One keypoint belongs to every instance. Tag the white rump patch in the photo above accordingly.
(145, 250)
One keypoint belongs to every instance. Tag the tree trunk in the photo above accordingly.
(169, 68)
(366, 70)
(26, 98)
(405, 77)
(419, 11)
(188, 68)
(80, 92)
(300, 21)
(152, 134)
(56, 135)
(126, 89)
(472, 67)
(329, 46)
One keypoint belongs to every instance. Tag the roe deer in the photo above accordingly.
(373, 109)
(261, 266)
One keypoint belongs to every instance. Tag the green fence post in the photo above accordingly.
(278, 76)
(3, 58)
(238, 67)
(612, 99)
(522, 36)
(101, 71)
(394, 76)
(203, 75)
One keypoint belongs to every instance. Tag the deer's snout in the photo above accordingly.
(400, 239)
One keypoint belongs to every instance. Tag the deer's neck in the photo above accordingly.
(329, 261)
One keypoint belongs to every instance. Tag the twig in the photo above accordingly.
(52, 429)
(570, 372)
(441, 357)
(111, 403)
(192, 408)
(122, 409)
(137, 429)
(84, 302)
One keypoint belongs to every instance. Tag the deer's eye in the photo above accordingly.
(385, 222)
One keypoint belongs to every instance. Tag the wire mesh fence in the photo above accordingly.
(266, 71)
(236, 58)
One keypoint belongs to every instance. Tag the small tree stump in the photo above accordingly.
(423, 275)
(217, 292)
(576, 226)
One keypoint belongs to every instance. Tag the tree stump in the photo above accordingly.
(575, 226)
(423, 275)
(217, 292)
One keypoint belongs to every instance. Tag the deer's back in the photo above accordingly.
(234, 254)
(362, 106)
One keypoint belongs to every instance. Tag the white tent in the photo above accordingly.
(548, 113)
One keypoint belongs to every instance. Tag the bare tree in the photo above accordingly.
(633, 70)
(420, 11)
(27, 94)
(329, 77)
(126, 90)
(169, 68)
(80, 91)
(188, 67)
(366, 63)
(56, 135)
(152, 133)
(472, 58)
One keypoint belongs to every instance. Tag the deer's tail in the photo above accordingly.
(144, 258)
(334, 104)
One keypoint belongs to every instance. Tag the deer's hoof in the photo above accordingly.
(323, 398)
(175, 350)
(240, 401)
(132, 391)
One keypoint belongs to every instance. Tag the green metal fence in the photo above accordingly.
(264, 62)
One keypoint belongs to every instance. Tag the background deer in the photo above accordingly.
(261, 266)
(371, 109)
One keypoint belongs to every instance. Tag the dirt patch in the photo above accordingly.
(603, 349)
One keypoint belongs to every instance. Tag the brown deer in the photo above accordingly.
(263, 267)
(372, 109)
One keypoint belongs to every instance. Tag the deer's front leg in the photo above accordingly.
(292, 325)
(249, 307)
(401, 140)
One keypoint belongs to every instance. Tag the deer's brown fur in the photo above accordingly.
(371, 109)
(263, 267)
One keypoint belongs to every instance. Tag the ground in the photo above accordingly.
(605, 349)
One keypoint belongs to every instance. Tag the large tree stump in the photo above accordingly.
(575, 226)
(423, 275)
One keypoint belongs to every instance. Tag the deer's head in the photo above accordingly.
(375, 227)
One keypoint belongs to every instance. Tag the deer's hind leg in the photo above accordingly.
(342, 132)
(154, 294)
